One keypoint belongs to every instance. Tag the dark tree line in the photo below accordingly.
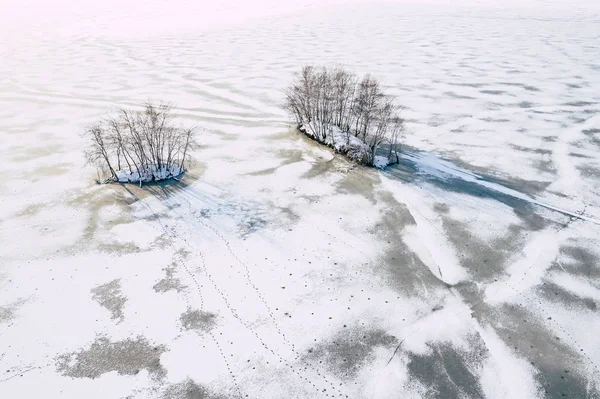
(139, 145)
(320, 98)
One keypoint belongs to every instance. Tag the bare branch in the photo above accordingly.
(319, 99)
(148, 141)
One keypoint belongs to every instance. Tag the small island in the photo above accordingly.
(139, 146)
(353, 116)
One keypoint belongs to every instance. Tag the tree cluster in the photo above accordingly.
(320, 98)
(139, 145)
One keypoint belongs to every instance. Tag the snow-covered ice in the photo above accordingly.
(343, 143)
(154, 173)
(275, 268)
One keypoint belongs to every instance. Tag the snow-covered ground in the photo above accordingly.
(275, 269)
(153, 173)
(347, 144)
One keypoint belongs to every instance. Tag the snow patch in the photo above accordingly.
(527, 271)
(578, 286)
(505, 375)
(427, 238)
(139, 233)
(380, 162)
(450, 324)
(347, 144)
(146, 175)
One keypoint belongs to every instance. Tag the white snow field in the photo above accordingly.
(274, 268)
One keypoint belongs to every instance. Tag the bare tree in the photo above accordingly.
(381, 117)
(146, 145)
(397, 129)
(322, 98)
(97, 152)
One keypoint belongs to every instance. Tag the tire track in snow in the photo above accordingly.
(22, 371)
(437, 168)
(246, 275)
(428, 241)
(233, 311)
(172, 237)
(537, 255)
(568, 176)
(469, 308)
(540, 245)
(276, 325)
(576, 343)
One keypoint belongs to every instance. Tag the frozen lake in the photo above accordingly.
(276, 269)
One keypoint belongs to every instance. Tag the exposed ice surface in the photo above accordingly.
(275, 269)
